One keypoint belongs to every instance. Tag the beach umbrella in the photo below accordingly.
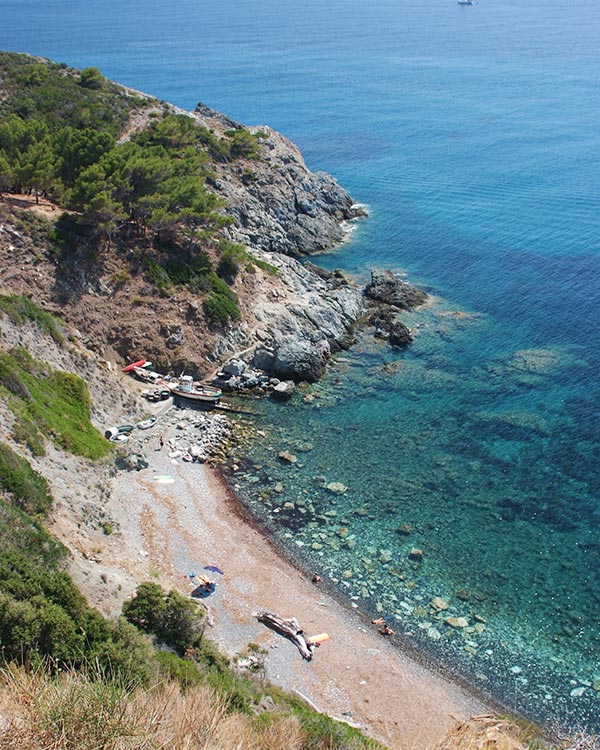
(213, 568)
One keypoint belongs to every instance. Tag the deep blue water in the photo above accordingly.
(472, 134)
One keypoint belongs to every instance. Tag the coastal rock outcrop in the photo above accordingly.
(277, 203)
(310, 318)
(386, 287)
(385, 295)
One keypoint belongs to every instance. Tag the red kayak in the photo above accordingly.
(129, 368)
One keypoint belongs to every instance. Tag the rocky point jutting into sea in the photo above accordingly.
(294, 315)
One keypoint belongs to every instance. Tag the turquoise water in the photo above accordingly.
(472, 134)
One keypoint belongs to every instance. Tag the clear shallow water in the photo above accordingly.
(472, 134)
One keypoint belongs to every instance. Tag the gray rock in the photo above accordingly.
(387, 288)
(234, 367)
(284, 390)
(277, 203)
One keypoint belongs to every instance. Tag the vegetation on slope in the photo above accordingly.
(78, 711)
(49, 404)
(59, 131)
(21, 309)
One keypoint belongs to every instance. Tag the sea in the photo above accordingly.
(469, 506)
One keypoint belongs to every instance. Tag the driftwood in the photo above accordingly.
(289, 629)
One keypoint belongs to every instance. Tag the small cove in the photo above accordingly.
(471, 132)
(454, 466)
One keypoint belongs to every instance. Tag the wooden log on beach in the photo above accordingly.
(288, 628)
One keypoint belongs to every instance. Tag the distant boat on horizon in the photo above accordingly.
(467, 2)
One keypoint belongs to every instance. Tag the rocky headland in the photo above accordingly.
(294, 315)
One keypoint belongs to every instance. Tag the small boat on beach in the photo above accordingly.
(123, 429)
(185, 387)
(133, 365)
(146, 376)
(120, 437)
(146, 424)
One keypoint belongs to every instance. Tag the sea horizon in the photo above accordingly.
(471, 134)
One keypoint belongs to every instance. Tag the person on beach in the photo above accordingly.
(316, 578)
(161, 442)
(386, 630)
(379, 621)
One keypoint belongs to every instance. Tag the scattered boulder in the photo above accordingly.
(284, 390)
(286, 457)
(336, 488)
(131, 462)
(234, 367)
(388, 288)
(457, 622)
(416, 554)
(399, 335)
(439, 604)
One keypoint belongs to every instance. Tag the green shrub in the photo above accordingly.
(220, 309)
(27, 489)
(91, 78)
(183, 671)
(57, 403)
(174, 619)
(21, 309)
(228, 268)
(157, 274)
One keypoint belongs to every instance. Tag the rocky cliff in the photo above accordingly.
(295, 315)
(279, 205)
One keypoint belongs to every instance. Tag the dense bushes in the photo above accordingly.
(175, 620)
(58, 136)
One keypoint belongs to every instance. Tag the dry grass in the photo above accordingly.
(485, 733)
(74, 712)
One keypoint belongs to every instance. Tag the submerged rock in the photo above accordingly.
(337, 488)
(457, 622)
(286, 457)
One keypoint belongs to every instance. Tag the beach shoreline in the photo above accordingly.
(167, 529)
